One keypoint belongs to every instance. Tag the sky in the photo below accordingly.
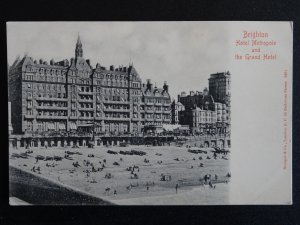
(182, 53)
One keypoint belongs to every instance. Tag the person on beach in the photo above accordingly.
(176, 187)
(115, 192)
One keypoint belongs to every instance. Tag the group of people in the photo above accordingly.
(133, 171)
(36, 169)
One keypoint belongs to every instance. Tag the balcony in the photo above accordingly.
(149, 111)
(149, 103)
(116, 102)
(117, 119)
(86, 109)
(29, 116)
(167, 104)
(85, 100)
(158, 120)
(52, 107)
(149, 119)
(158, 104)
(73, 117)
(85, 118)
(85, 93)
(167, 112)
(159, 111)
(116, 110)
(51, 99)
(51, 117)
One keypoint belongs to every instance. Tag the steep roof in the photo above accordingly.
(155, 92)
(80, 64)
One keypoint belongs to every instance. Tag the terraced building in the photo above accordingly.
(73, 97)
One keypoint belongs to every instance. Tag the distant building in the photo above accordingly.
(200, 121)
(72, 96)
(219, 87)
(208, 112)
(197, 99)
(176, 107)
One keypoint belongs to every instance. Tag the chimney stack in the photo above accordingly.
(166, 87)
(88, 62)
(149, 85)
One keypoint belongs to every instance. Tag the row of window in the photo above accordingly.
(43, 86)
(157, 100)
(46, 70)
(112, 76)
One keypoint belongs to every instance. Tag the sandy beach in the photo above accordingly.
(116, 183)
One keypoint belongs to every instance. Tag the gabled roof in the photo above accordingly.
(80, 64)
(155, 92)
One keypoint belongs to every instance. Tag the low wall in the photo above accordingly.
(38, 190)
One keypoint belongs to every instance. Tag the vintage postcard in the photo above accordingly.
(150, 113)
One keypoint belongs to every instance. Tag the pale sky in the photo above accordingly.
(182, 53)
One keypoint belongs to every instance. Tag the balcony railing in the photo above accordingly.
(29, 116)
(116, 102)
(51, 99)
(116, 119)
(52, 107)
(116, 110)
(86, 109)
(167, 112)
(51, 117)
(85, 100)
(85, 93)
(158, 111)
(85, 118)
(149, 111)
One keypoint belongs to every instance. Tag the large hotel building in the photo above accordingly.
(71, 96)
